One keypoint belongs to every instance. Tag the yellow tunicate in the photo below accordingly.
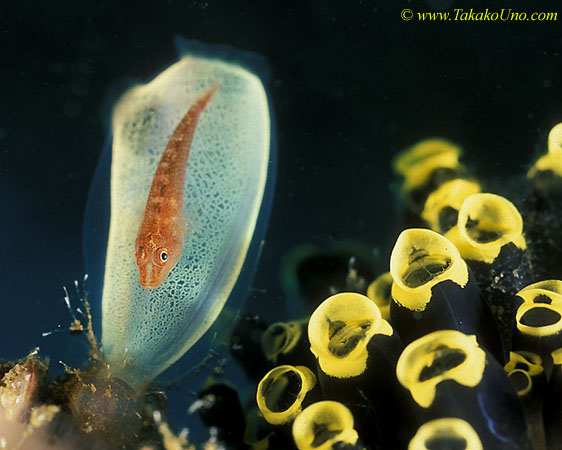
(323, 424)
(532, 361)
(553, 159)
(379, 291)
(521, 367)
(280, 338)
(443, 205)
(486, 223)
(522, 381)
(420, 259)
(450, 430)
(339, 331)
(281, 392)
(549, 290)
(418, 162)
(557, 356)
(438, 356)
(539, 319)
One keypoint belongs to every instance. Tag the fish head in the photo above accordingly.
(155, 259)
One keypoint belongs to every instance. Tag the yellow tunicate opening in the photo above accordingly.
(486, 223)
(442, 206)
(539, 319)
(420, 259)
(339, 331)
(521, 360)
(323, 424)
(441, 355)
(449, 432)
(417, 163)
(280, 338)
(548, 291)
(379, 291)
(281, 392)
(521, 380)
(553, 159)
(557, 356)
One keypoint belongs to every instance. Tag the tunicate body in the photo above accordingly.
(145, 331)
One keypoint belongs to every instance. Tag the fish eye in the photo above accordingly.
(163, 255)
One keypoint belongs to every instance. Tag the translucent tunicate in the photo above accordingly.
(226, 178)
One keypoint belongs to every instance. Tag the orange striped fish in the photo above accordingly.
(160, 238)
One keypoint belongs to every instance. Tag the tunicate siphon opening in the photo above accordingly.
(486, 223)
(344, 336)
(281, 391)
(441, 208)
(380, 292)
(448, 433)
(322, 424)
(447, 218)
(280, 338)
(482, 234)
(423, 267)
(420, 161)
(540, 317)
(520, 380)
(322, 433)
(438, 356)
(421, 259)
(444, 359)
(339, 331)
(446, 443)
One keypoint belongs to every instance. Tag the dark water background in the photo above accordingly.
(352, 83)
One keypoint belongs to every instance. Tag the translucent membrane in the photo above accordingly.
(144, 331)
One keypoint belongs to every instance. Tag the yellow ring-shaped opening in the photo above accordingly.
(539, 319)
(418, 162)
(441, 355)
(281, 392)
(557, 356)
(445, 201)
(339, 331)
(323, 424)
(555, 139)
(548, 291)
(531, 361)
(420, 259)
(486, 223)
(449, 428)
(553, 158)
(280, 338)
(521, 380)
(379, 291)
